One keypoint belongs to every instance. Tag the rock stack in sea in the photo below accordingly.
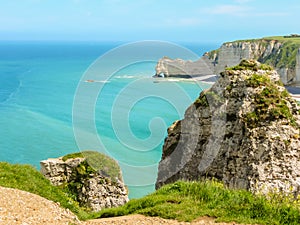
(243, 131)
(94, 179)
(167, 67)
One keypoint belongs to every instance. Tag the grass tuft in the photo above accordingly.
(96, 161)
(270, 103)
(186, 201)
(253, 65)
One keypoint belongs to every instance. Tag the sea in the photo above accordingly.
(58, 98)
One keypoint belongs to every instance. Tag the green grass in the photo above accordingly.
(250, 65)
(186, 201)
(283, 38)
(27, 178)
(284, 57)
(201, 100)
(270, 103)
(96, 161)
(72, 156)
(257, 80)
(272, 38)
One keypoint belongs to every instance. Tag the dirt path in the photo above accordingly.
(143, 220)
(20, 207)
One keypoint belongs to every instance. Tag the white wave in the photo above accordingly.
(167, 79)
(296, 97)
(206, 82)
(97, 81)
(128, 76)
(12, 94)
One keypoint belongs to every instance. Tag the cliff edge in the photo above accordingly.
(282, 53)
(243, 131)
(94, 178)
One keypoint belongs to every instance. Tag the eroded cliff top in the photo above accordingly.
(244, 131)
(94, 179)
(282, 53)
(295, 38)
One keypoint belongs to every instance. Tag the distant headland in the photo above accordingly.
(280, 52)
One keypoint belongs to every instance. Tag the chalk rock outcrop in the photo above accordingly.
(59, 171)
(96, 185)
(243, 131)
(167, 67)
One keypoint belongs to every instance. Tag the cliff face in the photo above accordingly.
(283, 54)
(243, 131)
(180, 68)
(93, 189)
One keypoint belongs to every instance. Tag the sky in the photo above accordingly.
(136, 20)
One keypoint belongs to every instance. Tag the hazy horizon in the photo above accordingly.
(120, 21)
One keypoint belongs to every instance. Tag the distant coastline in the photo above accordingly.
(281, 52)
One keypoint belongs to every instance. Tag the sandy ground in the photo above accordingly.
(20, 207)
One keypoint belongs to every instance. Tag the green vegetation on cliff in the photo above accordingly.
(27, 178)
(186, 201)
(271, 103)
(294, 39)
(250, 65)
(284, 56)
(96, 161)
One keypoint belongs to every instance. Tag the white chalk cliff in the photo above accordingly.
(243, 131)
(282, 54)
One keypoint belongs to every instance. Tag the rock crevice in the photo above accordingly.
(243, 131)
(92, 186)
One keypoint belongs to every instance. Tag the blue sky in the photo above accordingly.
(132, 20)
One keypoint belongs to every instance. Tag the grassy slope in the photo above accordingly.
(27, 178)
(275, 38)
(186, 201)
(286, 57)
(283, 39)
(182, 201)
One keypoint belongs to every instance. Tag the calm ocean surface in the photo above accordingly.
(38, 82)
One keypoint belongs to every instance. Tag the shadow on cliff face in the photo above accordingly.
(243, 131)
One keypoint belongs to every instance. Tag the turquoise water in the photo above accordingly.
(38, 82)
